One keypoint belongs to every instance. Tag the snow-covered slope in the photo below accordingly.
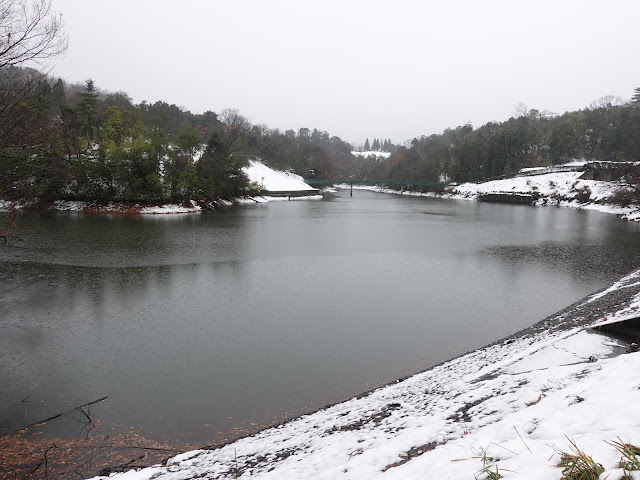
(510, 407)
(564, 189)
(561, 188)
(273, 180)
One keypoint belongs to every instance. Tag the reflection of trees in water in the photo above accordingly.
(70, 261)
(152, 306)
(579, 260)
(130, 241)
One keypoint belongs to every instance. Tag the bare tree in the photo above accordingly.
(30, 33)
(606, 102)
(521, 109)
(235, 127)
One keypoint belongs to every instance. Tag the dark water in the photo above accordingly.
(196, 325)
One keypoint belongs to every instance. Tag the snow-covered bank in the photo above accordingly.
(564, 189)
(511, 407)
(97, 207)
(271, 181)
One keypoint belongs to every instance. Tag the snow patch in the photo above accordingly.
(287, 199)
(273, 180)
(171, 209)
(371, 153)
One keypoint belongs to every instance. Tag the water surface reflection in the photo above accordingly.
(195, 325)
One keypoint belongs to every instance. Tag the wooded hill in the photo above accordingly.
(609, 129)
(71, 142)
(58, 142)
(75, 142)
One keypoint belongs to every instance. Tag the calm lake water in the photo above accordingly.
(201, 327)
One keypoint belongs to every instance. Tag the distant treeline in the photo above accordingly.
(378, 146)
(62, 141)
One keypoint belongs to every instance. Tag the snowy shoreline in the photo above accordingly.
(509, 406)
(124, 208)
(563, 189)
(289, 186)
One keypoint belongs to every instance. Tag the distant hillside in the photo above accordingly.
(609, 129)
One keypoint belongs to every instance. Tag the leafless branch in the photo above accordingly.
(30, 32)
(79, 407)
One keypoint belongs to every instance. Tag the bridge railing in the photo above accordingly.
(314, 181)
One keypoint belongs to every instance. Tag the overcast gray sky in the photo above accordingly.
(356, 68)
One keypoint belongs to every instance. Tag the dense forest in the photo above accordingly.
(62, 141)
(74, 141)
(71, 142)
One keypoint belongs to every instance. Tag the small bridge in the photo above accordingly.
(315, 182)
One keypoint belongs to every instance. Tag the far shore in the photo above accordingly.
(555, 189)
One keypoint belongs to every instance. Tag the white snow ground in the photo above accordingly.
(558, 189)
(510, 406)
(371, 153)
(273, 180)
(169, 208)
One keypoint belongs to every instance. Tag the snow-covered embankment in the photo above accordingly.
(565, 189)
(279, 185)
(509, 407)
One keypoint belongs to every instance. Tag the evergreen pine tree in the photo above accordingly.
(635, 100)
(58, 96)
(87, 109)
(376, 145)
(367, 147)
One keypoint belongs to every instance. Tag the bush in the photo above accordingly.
(624, 198)
(535, 193)
(583, 195)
